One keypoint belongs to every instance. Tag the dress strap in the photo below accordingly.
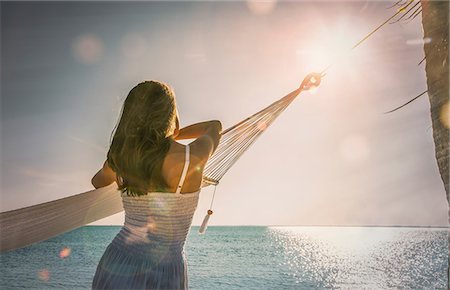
(185, 169)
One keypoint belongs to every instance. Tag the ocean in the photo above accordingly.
(254, 257)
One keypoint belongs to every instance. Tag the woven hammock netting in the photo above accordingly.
(26, 226)
(238, 138)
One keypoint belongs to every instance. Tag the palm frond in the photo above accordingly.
(417, 13)
(396, 4)
(423, 59)
(408, 102)
(414, 13)
(408, 12)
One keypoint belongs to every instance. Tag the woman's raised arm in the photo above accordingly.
(207, 136)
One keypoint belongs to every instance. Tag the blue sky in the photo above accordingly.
(332, 157)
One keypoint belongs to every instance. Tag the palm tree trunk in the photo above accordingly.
(435, 26)
(435, 29)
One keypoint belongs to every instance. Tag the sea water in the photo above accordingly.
(254, 257)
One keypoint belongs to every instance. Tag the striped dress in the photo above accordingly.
(148, 252)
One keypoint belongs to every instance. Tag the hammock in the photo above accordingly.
(25, 226)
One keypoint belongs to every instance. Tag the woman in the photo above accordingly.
(160, 180)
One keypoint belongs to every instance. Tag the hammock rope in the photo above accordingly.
(237, 139)
(29, 225)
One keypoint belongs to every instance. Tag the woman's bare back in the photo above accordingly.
(173, 166)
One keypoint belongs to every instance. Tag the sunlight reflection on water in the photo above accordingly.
(360, 257)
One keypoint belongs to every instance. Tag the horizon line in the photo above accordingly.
(372, 226)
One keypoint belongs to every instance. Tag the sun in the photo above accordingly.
(329, 47)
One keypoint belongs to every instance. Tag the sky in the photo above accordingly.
(332, 158)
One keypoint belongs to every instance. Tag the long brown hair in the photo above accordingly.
(141, 139)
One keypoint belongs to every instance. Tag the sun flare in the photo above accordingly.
(329, 47)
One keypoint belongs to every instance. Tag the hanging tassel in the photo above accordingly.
(205, 222)
(208, 214)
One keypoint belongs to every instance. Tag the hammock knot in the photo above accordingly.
(310, 81)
